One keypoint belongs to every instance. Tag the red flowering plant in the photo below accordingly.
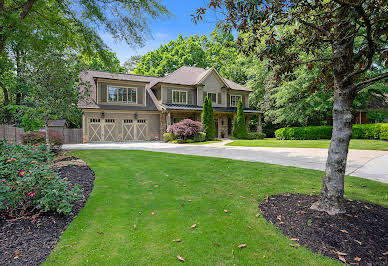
(28, 183)
(186, 129)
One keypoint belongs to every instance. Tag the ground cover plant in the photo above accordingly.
(358, 144)
(28, 240)
(28, 184)
(148, 208)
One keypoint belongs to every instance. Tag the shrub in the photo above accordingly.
(365, 131)
(240, 129)
(256, 135)
(167, 137)
(384, 131)
(37, 138)
(28, 184)
(200, 137)
(186, 128)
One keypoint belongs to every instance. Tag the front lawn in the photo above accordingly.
(142, 201)
(359, 144)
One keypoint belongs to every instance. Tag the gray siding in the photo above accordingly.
(167, 95)
(102, 93)
(214, 85)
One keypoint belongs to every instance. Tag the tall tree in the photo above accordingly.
(211, 134)
(355, 32)
(219, 52)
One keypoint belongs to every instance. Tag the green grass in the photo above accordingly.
(359, 144)
(130, 185)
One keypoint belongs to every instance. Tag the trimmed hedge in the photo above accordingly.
(256, 135)
(56, 139)
(366, 131)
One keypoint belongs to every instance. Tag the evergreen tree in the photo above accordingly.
(205, 117)
(240, 129)
(212, 127)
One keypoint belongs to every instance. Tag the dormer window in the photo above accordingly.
(179, 97)
(121, 94)
(234, 100)
(212, 96)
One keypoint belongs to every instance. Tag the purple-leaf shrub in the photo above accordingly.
(186, 128)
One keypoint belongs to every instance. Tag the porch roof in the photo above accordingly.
(199, 108)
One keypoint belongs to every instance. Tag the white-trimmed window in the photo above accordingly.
(212, 96)
(122, 94)
(179, 97)
(234, 100)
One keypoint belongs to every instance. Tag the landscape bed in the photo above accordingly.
(28, 241)
(360, 236)
(195, 207)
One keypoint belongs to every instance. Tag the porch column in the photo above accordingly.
(247, 119)
(168, 119)
(259, 126)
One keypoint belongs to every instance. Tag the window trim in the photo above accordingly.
(172, 96)
(215, 93)
(235, 95)
(121, 86)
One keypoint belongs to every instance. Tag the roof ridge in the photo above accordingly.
(121, 73)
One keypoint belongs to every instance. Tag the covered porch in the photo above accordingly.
(223, 118)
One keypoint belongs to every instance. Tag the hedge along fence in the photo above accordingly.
(366, 131)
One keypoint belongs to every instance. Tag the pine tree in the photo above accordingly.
(240, 129)
(205, 117)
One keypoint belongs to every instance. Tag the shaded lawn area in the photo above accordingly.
(358, 144)
(117, 227)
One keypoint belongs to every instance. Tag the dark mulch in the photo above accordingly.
(358, 237)
(28, 242)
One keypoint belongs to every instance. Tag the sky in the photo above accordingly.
(165, 30)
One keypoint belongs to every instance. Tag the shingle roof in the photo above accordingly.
(189, 75)
(199, 108)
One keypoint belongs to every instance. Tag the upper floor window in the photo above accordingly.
(179, 97)
(122, 95)
(234, 100)
(212, 96)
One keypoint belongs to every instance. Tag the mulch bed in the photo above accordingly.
(28, 242)
(359, 237)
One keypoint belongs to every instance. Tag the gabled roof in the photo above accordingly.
(192, 76)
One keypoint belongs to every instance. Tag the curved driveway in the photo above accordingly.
(361, 163)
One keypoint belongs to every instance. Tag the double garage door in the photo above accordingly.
(114, 130)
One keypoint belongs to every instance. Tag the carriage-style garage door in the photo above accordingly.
(134, 129)
(107, 130)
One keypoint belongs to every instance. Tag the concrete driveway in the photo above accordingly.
(361, 163)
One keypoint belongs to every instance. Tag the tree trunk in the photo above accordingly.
(332, 193)
(47, 136)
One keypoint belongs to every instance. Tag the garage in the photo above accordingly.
(115, 130)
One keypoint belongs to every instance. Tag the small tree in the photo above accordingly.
(240, 129)
(205, 117)
(212, 128)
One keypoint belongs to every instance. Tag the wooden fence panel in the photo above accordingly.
(72, 135)
(13, 134)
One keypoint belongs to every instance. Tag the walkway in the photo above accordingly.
(361, 163)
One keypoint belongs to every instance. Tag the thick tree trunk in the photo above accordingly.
(332, 193)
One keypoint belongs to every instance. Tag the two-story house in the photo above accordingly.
(124, 107)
